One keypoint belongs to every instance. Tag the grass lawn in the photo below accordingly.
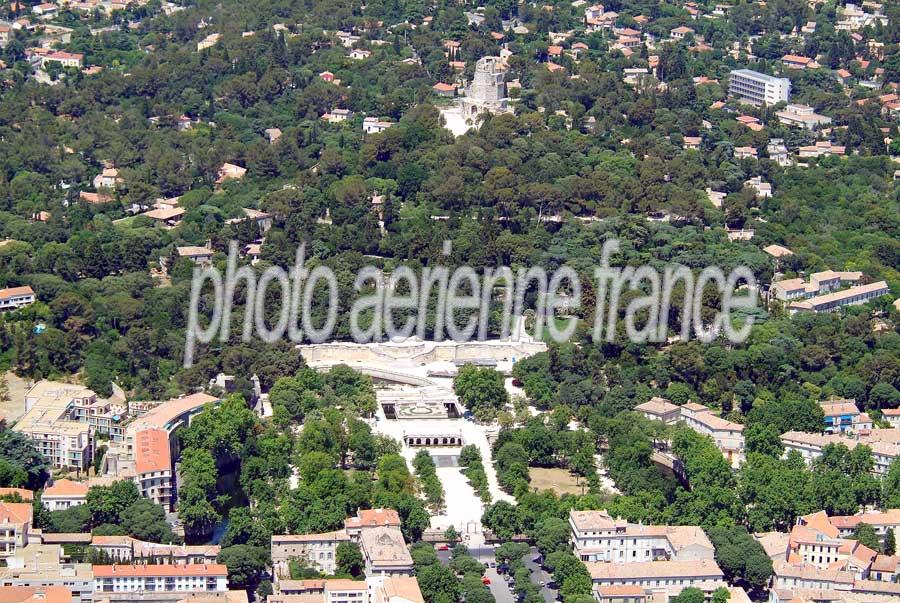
(558, 480)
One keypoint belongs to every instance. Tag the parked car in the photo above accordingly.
(443, 547)
(485, 580)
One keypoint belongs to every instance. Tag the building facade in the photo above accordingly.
(758, 88)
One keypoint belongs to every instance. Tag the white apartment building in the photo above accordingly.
(810, 445)
(400, 589)
(48, 421)
(892, 416)
(791, 576)
(665, 577)
(758, 88)
(819, 283)
(597, 537)
(63, 494)
(833, 302)
(40, 565)
(15, 524)
(128, 582)
(802, 116)
(13, 298)
(728, 436)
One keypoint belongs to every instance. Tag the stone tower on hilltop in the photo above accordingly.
(487, 90)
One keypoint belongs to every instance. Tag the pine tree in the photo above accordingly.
(890, 542)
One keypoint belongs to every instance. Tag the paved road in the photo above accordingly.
(538, 575)
(499, 588)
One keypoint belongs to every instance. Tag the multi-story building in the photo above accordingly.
(596, 536)
(892, 416)
(318, 551)
(63, 494)
(377, 589)
(50, 422)
(810, 446)
(125, 549)
(802, 116)
(833, 302)
(15, 524)
(758, 88)
(728, 436)
(40, 565)
(135, 582)
(841, 416)
(145, 453)
(385, 553)
(819, 283)
(660, 409)
(376, 530)
(668, 578)
(13, 298)
(153, 466)
(371, 518)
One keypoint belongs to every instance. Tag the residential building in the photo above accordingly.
(153, 467)
(371, 518)
(819, 283)
(40, 566)
(15, 524)
(95, 198)
(13, 298)
(840, 415)
(778, 152)
(892, 416)
(666, 577)
(22, 494)
(108, 178)
(596, 536)
(660, 409)
(336, 116)
(745, 153)
(728, 436)
(398, 589)
(758, 88)
(63, 494)
(201, 256)
(810, 445)
(822, 148)
(125, 549)
(679, 33)
(135, 582)
(791, 576)
(229, 171)
(49, 421)
(802, 116)
(35, 594)
(166, 217)
(385, 553)
(763, 189)
(793, 61)
(833, 302)
(372, 125)
(442, 89)
(318, 551)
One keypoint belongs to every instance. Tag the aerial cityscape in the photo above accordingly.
(500, 301)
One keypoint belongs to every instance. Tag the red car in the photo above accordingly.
(443, 547)
(485, 580)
